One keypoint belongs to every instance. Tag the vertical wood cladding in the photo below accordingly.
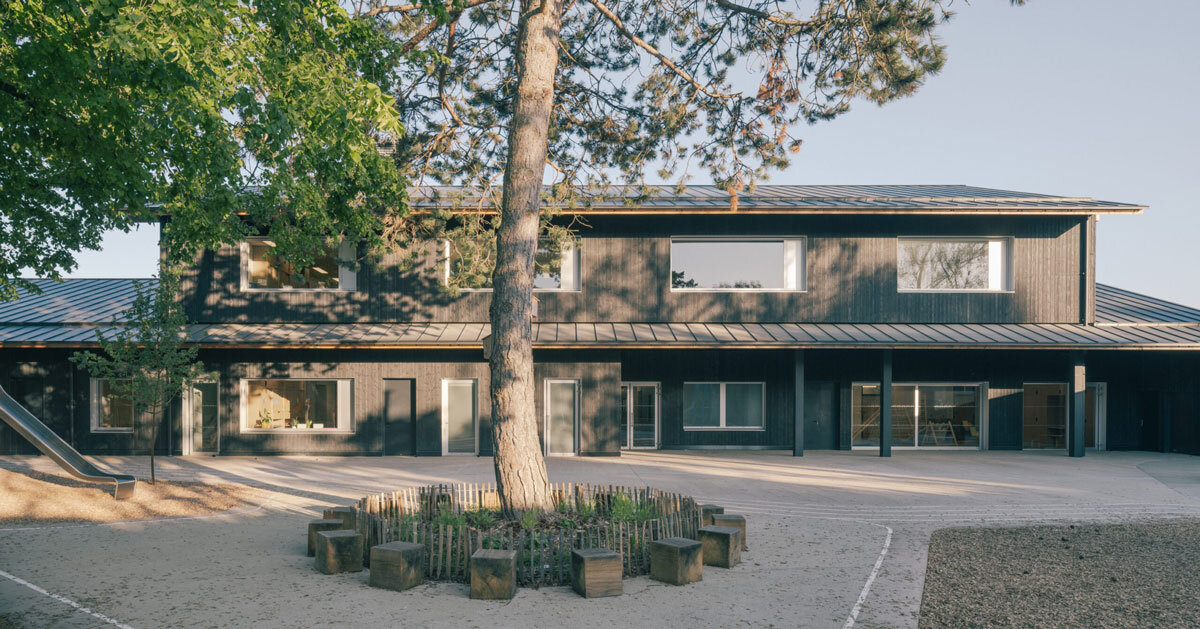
(851, 272)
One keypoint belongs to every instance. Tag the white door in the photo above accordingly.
(639, 416)
(562, 417)
(201, 415)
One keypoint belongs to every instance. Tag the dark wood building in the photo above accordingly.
(811, 317)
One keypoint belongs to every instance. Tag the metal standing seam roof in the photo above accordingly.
(70, 313)
(856, 199)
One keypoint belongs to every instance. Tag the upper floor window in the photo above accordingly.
(555, 268)
(746, 264)
(263, 272)
(954, 264)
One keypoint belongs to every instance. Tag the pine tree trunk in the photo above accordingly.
(520, 469)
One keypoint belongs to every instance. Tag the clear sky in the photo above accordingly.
(1095, 98)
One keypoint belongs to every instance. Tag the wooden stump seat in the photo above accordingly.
(493, 574)
(339, 551)
(732, 520)
(316, 526)
(397, 566)
(707, 511)
(722, 546)
(345, 514)
(676, 560)
(596, 572)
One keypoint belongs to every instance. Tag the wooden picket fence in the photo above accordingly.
(543, 556)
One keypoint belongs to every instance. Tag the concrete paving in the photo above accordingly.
(818, 529)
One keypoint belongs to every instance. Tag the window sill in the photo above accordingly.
(112, 430)
(292, 431)
(536, 290)
(724, 429)
(935, 291)
(739, 290)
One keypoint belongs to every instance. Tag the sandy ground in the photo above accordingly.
(32, 497)
(821, 520)
(1113, 575)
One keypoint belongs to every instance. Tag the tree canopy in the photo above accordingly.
(112, 111)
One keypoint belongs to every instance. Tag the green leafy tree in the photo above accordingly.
(228, 115)
(545, 103)
(144, 357)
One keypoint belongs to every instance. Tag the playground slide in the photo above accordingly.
(54, 447)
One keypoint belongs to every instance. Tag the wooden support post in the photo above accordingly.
(798, 412)
(885, 406)
(1076, 405)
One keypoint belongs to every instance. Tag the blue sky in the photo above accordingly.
(1089, 98)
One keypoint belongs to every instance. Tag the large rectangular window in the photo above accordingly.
(953, 264)
(723, 406)
(923, 415)
(296, 404)
(737, 265)
(1044, 416)
(556, 267)
(261, 271)
(111, 412)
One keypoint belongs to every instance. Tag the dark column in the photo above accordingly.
(1076, 405)
(885, 406)
(798, 411)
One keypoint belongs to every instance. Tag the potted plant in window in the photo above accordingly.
(308, 422)
(264, 419)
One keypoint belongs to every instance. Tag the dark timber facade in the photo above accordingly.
(848, 344)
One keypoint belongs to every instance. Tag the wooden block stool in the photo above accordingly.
(722, 546)
(676, 560)
(339, 551)
(596, 572)
(732, 520)
(397, 566)
(493, 574)
(345, 514)
(316, 526)
(707, 511)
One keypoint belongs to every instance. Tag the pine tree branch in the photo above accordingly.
(762, 15)
(645, 45)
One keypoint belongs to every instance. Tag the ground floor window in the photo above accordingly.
(111, 411)
(723, 406)
(296, 404)
(923, 415)
(1044, 416)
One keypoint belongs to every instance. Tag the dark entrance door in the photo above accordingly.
(399, 408)
(820, 416)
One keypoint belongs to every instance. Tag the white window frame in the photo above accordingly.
(445, 425)
(347, 277)
(549, 382)
(981, 413)
(722, 427)
(345, 408)
(795, 260)
(570, 265)
(1000, 271)
(95, 403)
(627, 417)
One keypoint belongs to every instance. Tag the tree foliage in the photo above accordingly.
(112, 111)
(144, 357)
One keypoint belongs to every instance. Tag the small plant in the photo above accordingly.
(529, 520)
(622, 509)
(481, 518)
(264, 418)
(447, 517)
(308, 423)
(568, 523)
(562, 507)
(644, 512)
(586, 510)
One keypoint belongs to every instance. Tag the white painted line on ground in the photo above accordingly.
(862, 597)
(64, 600)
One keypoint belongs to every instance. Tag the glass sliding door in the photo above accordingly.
(562, 417)
(1044, 416)
(202, 435)
(639, 413)
(923, 415)
(460, 414)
